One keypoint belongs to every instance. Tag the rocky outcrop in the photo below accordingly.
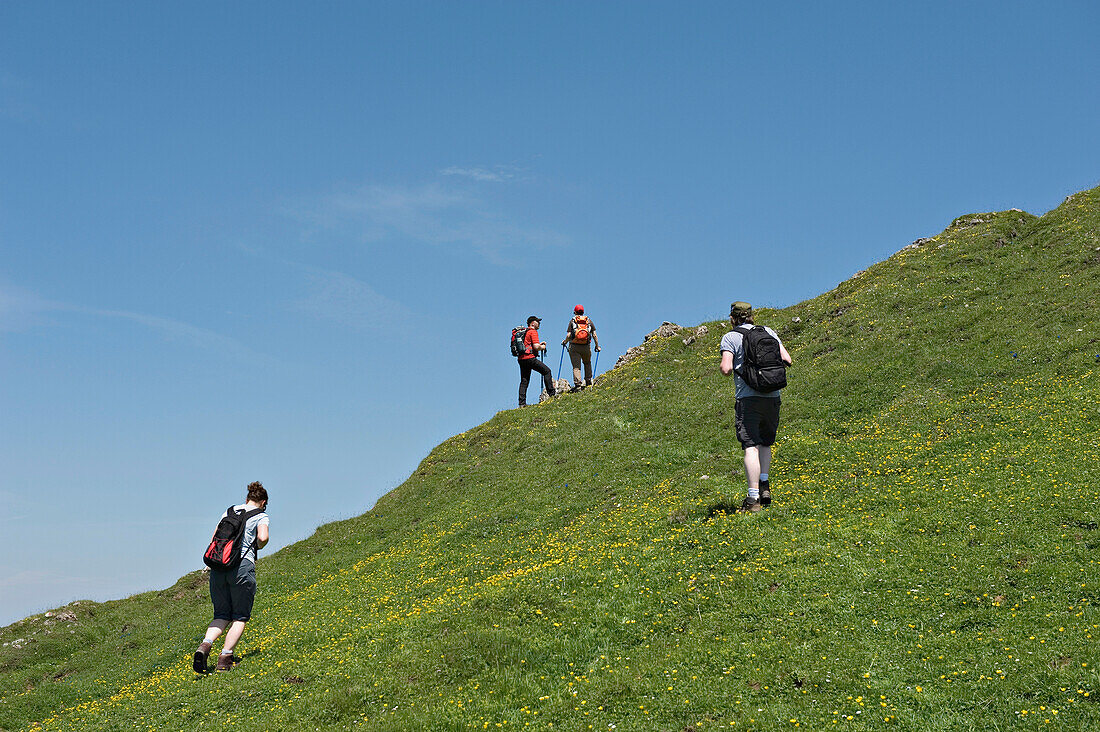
(701, 331)
(666, 330)
(631, 353)
(61, 616)
(561, 386)
(919, 243)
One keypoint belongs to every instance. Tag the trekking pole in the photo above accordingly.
(595, 365)
(561, 361)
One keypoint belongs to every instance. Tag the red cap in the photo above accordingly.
(578, 309)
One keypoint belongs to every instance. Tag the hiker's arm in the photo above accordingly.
(784, 355)
(261, 536)
(727, 363)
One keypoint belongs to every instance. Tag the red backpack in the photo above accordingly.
(581, 329)
(224, 551)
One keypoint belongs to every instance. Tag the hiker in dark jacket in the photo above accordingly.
(581, 338)
(756, 413)
(529, 360)
(233, 590)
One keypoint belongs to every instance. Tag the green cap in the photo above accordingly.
(741, 309)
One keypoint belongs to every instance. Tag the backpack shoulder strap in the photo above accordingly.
(248, 515)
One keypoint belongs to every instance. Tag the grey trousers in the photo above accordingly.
(581, 353)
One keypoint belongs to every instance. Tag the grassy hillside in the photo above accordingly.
(929, 561)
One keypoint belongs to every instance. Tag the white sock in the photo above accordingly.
(763, 477)
(210, 639)
(754, 494)
(226, 653)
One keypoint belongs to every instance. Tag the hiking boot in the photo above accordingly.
(201, 657)
(226, 662)
(575, 389)
(749, 505)
(765, 494)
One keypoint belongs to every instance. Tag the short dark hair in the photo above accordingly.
(256, 492)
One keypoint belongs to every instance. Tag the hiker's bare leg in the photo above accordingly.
(215, 629)
(236, 629)
(752, 467)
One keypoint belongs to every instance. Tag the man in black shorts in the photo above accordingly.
(757, 413)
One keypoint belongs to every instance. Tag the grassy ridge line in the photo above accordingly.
(871, 347)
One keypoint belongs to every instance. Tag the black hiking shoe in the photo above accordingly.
(765, 494)
(201, 657)
(749, 505)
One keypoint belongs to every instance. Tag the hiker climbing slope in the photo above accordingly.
(757, 359)
(231, 556)
(581, 338)
(527, 354)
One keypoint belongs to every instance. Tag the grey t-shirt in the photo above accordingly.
(250, 526)
(734, 342)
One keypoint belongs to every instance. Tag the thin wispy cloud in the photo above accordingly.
(437, 213)
(496, 174)
(179, 331)
(350, 302)
(21, 309)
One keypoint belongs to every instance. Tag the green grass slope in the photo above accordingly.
(929, 561)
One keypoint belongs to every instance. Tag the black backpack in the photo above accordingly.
(764, 369)
(519, 348)
(224, 551)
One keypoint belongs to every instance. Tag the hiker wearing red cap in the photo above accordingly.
(581, 337)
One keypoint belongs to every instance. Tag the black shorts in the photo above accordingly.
(233, 591)
(757, 421)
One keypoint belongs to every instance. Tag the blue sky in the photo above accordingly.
(287, 241)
